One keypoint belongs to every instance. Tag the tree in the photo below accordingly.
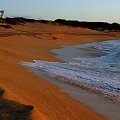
(2, 13)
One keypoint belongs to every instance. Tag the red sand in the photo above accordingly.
(23, 86)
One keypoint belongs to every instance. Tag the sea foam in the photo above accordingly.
(99, 74)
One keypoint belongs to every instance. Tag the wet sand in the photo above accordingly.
(104, 106)
(33, 41)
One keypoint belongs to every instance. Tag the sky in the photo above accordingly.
(81, 10)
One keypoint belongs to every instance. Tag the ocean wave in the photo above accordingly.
(71, 73)
(99, 74)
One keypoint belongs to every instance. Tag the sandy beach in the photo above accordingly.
(33, 41)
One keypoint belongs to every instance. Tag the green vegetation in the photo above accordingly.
(101, 26)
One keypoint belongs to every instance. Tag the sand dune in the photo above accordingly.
(33, 41)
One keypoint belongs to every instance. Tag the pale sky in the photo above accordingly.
(81, 10)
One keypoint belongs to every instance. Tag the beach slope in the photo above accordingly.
(33, 41)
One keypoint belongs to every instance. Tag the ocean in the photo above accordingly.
(94, 67)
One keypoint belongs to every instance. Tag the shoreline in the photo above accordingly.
(21, 85)
(77, 51)
(100, 104)
(110, 107)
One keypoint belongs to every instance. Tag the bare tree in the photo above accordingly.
(2, 13)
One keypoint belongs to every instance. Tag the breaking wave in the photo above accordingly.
(99, 74)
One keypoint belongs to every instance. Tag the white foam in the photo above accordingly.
(99, 74)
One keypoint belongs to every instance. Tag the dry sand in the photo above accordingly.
(33, 41)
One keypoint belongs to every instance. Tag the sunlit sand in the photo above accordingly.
(33, 41)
